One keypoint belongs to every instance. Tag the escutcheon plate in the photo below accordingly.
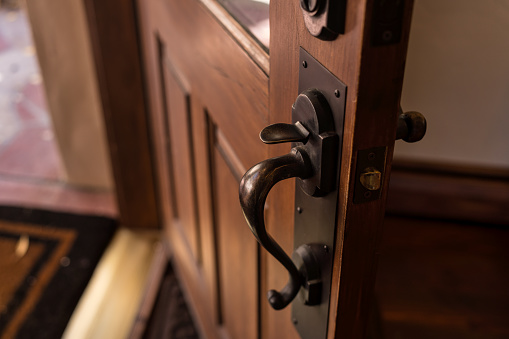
(315, 217)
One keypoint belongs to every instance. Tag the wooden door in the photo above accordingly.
(210, 95)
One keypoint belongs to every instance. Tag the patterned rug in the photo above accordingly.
(46, 261)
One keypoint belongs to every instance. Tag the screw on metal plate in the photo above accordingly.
(315, 226)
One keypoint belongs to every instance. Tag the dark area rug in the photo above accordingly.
(46, 261)
(171, 318)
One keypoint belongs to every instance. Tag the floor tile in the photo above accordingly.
(32, 153)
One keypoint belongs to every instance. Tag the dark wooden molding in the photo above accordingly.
(114, 38)
(458, 170)
(449, 192)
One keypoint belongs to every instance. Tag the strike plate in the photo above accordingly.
(315, 217)
(373, 159)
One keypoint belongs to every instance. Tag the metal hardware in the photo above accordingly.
(312, 112)
(310, 161)
(371, 162)
(316, 223)
(254, 188)
(316, 135)
(310, 5)
(324, 19)
(387, 22)
(279, 133)
(411, 126)
(307, 259)
(370, 174)
(371, 179)
(312, 108)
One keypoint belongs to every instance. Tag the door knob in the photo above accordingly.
(312, 160)
(411, 126)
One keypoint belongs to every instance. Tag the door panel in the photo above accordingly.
(181, 158)
(237, 257)
(226, 94)
(213, 74)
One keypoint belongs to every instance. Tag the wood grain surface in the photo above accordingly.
(374, 77)
(115, 46)
(230, 103)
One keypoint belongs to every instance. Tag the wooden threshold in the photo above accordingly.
(120, 295)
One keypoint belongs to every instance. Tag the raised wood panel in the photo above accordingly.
(214, 74)
(237, 257)
(182, 170)
(203, 135)
(159, 128)
(198, 280)
(226, 114)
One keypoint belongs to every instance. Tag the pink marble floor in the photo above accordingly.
(31, 169)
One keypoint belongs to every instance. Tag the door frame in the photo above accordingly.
(113, 30)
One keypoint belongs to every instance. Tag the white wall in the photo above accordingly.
(457, 75)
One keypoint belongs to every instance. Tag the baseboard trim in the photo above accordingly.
(449, 193)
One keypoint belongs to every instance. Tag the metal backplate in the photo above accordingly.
(315, 217)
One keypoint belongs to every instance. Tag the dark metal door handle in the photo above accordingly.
(313, 160)
(254, 188)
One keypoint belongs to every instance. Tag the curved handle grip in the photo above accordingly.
(254, 188)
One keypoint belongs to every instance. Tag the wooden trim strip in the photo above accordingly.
(472, 171)
(114, 37)
(229, 156)
(249, 44)
(457, 195)
(166, 129)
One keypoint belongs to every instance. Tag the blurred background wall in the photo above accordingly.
(457, 75)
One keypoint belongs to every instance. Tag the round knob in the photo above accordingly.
(411, 126)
